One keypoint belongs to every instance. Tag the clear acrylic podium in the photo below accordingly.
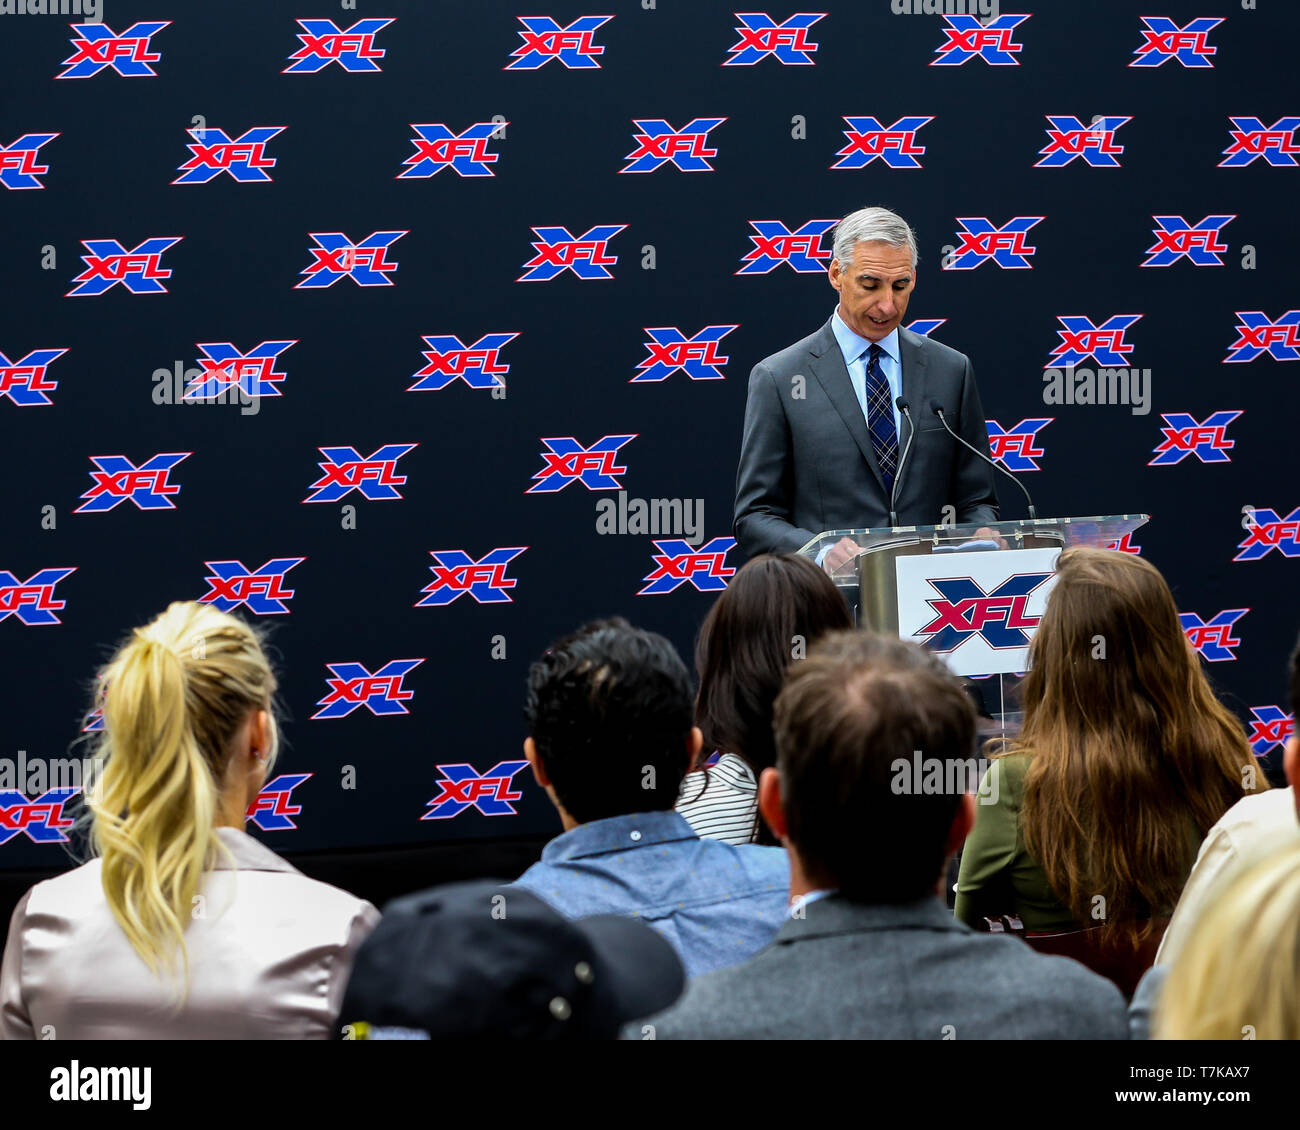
(928, 583)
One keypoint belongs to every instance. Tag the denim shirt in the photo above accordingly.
(716, 903)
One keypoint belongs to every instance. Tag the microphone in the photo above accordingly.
(937, 409)
(906, 410)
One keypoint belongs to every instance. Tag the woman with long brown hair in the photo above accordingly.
(1124, 762)
(769, 615)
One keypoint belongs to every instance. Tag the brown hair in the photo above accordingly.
(850, 719)
(771, 612)
(1128, 743)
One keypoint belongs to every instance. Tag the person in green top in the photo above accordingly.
(1124, 762)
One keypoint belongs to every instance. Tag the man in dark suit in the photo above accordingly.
(875, 743)
(823, 436)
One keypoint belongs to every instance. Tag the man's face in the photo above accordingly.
(874, 288)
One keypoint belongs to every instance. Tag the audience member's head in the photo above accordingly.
(773, 610)
(852, 723)
(1128, 743)
(609, 722)
(188, 738)
(1238, 975)
(477, 960)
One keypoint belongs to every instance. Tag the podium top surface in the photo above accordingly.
(1102, 532)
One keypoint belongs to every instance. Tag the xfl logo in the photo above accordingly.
(1081, 339)
(214, 152)
(1212, 639)
(140, 270)
(128, 54)
(587, 255)
(324, 42)
(1257, 336)
(545, 40)
(450, 359)
(566, 461)
(1185, 435)
(118, 479)
(1068, 138)
(262, 591)
(982, 242)
(1016, 447)
(1267, 531)
(968, 39)
(1270, 727)
(18, 165)
(775, 244)
(1177, 239)
(346, 470)
(271, 810)
(762, 37)
(457, 573)
(352, 686)
(32, 600)
(896, 145)
(678, 562)
(963, 610)
(224, 368)
(40, 820)
(924, 327)
(462, 786)
(658, 144)
(1251, 138)
(438, 148)
(1162, 40)
(671, 350)
(26, 381)
(336, 257)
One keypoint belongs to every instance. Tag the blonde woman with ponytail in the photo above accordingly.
(183, 926)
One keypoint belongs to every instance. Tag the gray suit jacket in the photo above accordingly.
(851, 971)
(806, 463)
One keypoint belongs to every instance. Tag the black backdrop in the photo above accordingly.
(346, 135)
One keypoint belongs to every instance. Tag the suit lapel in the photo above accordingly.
(916, 387)
(827, 365)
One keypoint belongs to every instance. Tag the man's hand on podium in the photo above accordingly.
(989, 535)
(841, 553)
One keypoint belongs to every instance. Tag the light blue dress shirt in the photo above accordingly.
(855, 349)
(716, 903)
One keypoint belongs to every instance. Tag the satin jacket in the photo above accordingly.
(270, 952)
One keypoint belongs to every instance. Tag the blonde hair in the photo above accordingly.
(173, 698)
(1238, 975)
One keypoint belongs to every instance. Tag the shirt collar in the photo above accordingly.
(836, 914)
(853, 345)
(811, 896)
(618, 833)
(246, 854)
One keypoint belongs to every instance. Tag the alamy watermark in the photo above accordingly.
(944, 776)
(1099, 386)
(673, 517)
(35, 776)
(177, 385)
(92, 10)
(982, 8)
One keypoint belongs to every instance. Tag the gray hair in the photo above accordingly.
(873, 225)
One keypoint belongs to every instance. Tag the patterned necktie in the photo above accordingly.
(880, 419)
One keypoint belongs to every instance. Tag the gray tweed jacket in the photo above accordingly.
(852, 971)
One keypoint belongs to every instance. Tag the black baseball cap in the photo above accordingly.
(481, 959)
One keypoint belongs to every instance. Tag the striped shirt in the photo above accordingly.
(721, 802)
